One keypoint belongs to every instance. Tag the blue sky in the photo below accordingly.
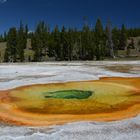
(68, 12)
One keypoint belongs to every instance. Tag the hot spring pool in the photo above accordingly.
(106, 99)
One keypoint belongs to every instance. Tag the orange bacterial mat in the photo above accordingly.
(107, 99)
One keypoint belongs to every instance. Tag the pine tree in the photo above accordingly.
(68, 43)
(1, 38)
(40, 41)
(5, 36)
(123, 38)
(87, 43)
(116, 39)
(11, 51)
(21, 42)
(99, 40)
(64, 44)
(26, 30)
(56, 43)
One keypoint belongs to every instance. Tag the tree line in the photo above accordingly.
(89, 43)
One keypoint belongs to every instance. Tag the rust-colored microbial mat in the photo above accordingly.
(107, 99)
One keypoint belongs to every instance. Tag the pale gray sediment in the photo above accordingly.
(14, 75)
(120, 130)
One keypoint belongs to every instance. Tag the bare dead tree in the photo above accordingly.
(109, 39)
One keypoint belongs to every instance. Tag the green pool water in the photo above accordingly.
(68, 94)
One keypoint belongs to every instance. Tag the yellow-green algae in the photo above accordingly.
(107, 97)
